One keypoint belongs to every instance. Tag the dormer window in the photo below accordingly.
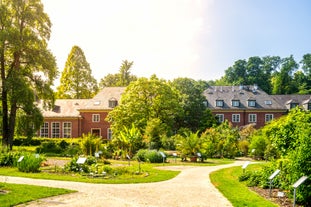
(235, 103)
(251, 103)
(219, 103)
(112, 103)
(293, 105)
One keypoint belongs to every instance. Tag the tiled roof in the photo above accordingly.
(72, 107)
(101, 100)
(65, 108)
(243, 94)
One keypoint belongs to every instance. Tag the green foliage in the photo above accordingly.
(151, 156)
(90, 144)
(27, 66)
(154, 132)
(194, 114)
(30, 162)
(77, 81)
(128, 141)
(189, 144)
(221, 141)
(73, 166)
(144, 100)
(123, 78)
(258, 144)
(9, 158)
(288, 138)
(49, 147)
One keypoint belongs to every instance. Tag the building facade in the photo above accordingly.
(240, 105)
(243, 105)
(71, 118)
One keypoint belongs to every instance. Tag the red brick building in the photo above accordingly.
(70, 118)
(240, 105)
(243, 105)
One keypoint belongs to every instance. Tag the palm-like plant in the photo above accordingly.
(189, 144)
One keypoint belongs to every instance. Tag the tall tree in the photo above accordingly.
(144, 100)
(77, 81)
(28, 68)
(194, 114)
(123, 78)
(283, 80)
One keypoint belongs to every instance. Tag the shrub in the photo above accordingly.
(141, 155)
(90, 144)
(30, 162)
(73, 166)
(49, 147)
(151, 156)
(9, 158)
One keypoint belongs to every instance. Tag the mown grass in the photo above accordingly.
(226, 180)
(14, 194)
(135, 172)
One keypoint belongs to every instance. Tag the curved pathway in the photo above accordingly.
(191, 188)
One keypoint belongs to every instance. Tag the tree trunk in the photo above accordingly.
(4, 95)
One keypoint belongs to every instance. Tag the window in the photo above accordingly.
(293, 105)
(268, 102)
(96, 132)
(95, 117)
(219, 103)
(235, 117)
(252, 103)
(55, 130)
(67, 129)
(112, 103)
(109, 133)
(252, 118)
(309, 106)
(268, 117)
(44, 131)
(235, 103)
(220, 118)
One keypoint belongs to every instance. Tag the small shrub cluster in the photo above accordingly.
(73, 166)
(8, 159)
(151, 156)
(58, 148)
(30, 162)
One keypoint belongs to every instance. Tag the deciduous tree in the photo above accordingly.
(28, 68)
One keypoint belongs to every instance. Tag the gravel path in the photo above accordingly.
(191, 188)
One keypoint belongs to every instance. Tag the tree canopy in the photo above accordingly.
(144, 100)
(28, 68)
(76, 80)
(123, 78)
(273, 74)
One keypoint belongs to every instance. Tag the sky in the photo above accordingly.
(197, 39)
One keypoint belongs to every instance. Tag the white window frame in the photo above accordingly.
(220, 118)
(109, 133)
(251, 103)
(269, 117)
(219, 103)
(252, 118)
(236, 118)
(44, 130)
(95, 117)
(235, 103)
(55, 130)
(67, 130)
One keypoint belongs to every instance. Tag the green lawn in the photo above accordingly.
(226, 180)
(14, 194)
(149, 172)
